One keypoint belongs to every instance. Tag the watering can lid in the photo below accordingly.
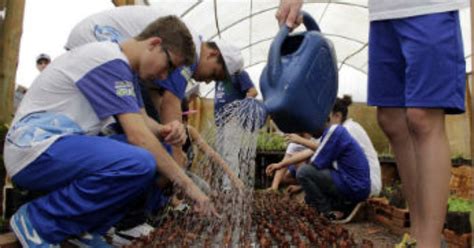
(232, 56)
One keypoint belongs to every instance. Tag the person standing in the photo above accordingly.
(416, 77)
(42, 61)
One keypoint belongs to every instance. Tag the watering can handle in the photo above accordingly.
(275, 49)
(309, 22)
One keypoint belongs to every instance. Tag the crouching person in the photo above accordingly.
(53, 144)
(338, 176)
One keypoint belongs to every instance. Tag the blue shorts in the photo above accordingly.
(417, 62)
(91, 181)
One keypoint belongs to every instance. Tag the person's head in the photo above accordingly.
(218, 60)
(42, 61)
(340, 110)
(168, 44)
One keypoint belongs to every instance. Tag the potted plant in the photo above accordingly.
(457, 218)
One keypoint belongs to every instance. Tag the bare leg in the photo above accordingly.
(433, 167)
(279, 174)
(393, 122)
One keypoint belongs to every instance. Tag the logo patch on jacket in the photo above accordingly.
(186, 73)
(124, 88)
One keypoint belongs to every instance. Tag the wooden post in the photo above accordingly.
(10, 34)
(118, 3)
(471, 88)
(469, 109)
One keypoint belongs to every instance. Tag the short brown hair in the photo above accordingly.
(220, 59)
(175, 36)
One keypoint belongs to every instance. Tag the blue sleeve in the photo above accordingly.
(177, 81)
(111, 89)
(330, 148)
(138, 91)
(245, 81)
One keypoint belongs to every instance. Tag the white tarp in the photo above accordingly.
(251, 25)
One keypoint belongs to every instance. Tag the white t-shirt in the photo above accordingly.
(122, 23)
(394, 9)
(359, 134)
(293, 148)
(77, 94)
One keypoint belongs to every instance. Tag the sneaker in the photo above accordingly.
(118, 241)
(24, 231)
(351, 215)
(138, 231)
(90, 240)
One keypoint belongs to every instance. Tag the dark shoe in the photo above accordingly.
(333, 215)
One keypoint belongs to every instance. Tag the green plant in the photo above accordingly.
(460, 205)
(270, 142)
(394, 195)
(386, 192)
(458, 155)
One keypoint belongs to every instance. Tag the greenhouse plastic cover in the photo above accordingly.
(251, 26)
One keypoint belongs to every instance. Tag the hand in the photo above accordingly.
(293, 138)
(272, 168)
(173, 133)
(271, 189)
(289, 13)
(203, 206)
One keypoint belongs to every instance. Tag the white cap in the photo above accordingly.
(43, 56)
(233, 59)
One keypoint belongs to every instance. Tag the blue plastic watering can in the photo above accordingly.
(299, 83)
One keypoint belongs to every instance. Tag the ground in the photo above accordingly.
(378, 234)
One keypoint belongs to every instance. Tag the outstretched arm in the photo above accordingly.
(294, 159)
(295, 138)
(140, 135)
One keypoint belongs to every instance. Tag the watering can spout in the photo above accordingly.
(299, 83)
